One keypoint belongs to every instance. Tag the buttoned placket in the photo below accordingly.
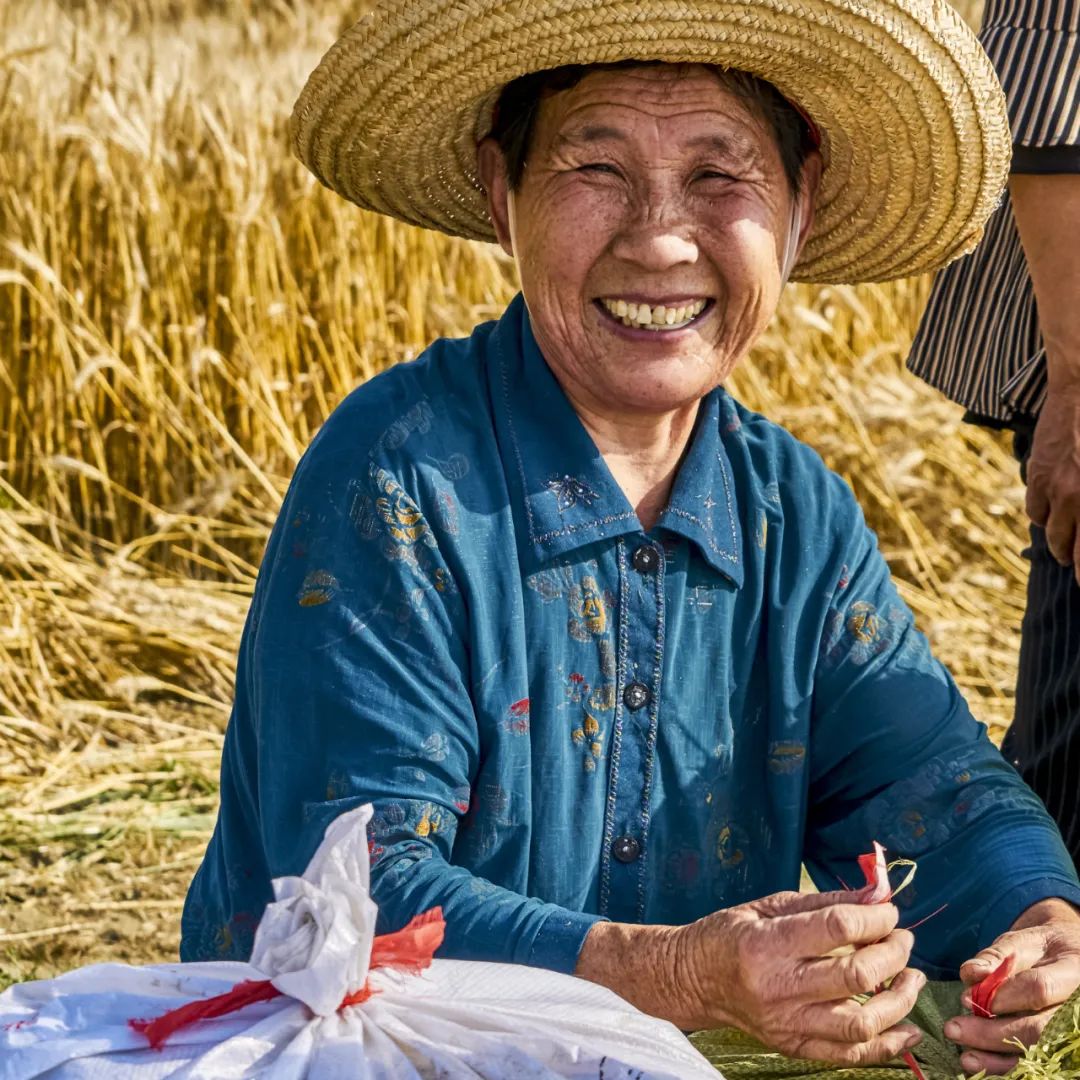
(625, 852)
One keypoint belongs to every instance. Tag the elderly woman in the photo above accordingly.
(610, 654)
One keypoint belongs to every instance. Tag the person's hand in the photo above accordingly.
(1053, 474)
(765, 968)
(1045, 945)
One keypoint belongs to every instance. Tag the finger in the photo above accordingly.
(812, 934)
(848, 1021)
(1037, 504)
(859, 972)
(1042, 987)
(1061, 534)
(888, 1045)
(996, 1035)
(1027, 948)
(793, 903)
(992, 1064)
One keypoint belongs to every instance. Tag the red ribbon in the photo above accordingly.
(409, 949)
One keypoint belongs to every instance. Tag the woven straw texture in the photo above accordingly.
(915, 134)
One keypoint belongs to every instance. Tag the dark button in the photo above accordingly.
(635, 696)
(625, 848)
(645, 559)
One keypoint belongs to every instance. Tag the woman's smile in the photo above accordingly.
(644, 321)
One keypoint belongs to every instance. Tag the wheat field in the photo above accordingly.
(181, 306)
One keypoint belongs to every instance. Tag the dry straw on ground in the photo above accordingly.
(180, 307)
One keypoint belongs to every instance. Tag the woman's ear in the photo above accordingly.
(491, 168)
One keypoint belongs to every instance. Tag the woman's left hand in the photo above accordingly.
(1045, 945)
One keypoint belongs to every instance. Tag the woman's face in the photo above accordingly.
(652, 230)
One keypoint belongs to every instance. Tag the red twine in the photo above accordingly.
(409, 949)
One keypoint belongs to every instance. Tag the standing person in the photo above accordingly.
(1001, 335)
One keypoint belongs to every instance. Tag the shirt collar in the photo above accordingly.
(703, 505)
(569, 495)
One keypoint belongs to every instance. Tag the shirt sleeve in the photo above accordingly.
(897, 757)
(1034, 46)
(359, 677)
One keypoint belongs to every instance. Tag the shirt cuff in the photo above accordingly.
(1015, 902)
(1045, 160)
(559, 939)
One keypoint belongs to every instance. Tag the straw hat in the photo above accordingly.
(914, 131)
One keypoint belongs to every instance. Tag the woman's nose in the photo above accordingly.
(656, 244)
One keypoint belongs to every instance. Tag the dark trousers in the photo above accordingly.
(1044, 740)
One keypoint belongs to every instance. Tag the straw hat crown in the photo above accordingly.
(914, 130)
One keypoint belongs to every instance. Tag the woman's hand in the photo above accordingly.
(1045, 945)
(1047, 212)
(1053, 473)
(764, 967)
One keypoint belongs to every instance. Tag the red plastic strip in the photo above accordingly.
(878, 891)
(925, 918)
(241, 995)
(983, 993)
(913, 1065)
(410, 949)
(876, 871)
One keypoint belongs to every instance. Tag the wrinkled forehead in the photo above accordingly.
(690, 102)
(658, 90)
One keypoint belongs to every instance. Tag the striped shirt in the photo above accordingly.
(979, 340)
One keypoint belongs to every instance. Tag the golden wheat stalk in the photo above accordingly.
(181, 306)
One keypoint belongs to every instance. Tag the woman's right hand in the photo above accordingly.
(785, 969)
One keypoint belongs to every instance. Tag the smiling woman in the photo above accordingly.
(566, 681)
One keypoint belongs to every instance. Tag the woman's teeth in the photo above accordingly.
(654, 318)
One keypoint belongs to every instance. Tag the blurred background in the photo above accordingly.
(181, 305)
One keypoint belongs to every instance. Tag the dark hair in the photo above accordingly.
(518, 107)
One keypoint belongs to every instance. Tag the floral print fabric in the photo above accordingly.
(559, 717)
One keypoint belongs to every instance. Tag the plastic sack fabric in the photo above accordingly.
(313, 949)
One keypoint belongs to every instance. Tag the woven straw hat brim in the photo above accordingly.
(915, 135)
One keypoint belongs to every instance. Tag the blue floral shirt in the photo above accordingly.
(560, 717)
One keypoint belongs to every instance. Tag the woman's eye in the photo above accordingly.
(599, 167)
(713, 174)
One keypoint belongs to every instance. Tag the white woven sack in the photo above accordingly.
(458, 1019)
